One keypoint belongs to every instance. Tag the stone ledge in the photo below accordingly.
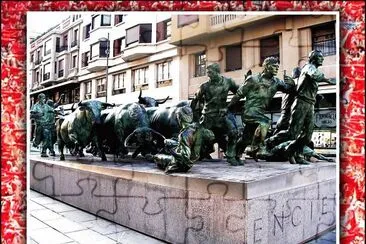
(255, 179)
(214, 203)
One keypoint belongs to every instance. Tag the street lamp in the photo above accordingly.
(103, 39)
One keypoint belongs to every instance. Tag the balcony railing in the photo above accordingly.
(38, 61)
(220, 19)
(74, 43)
(60, 73)
(46, 76)
(61, 48)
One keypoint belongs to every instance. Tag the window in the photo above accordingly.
(61, 68)
(74, 61)
(323, 38)
(75, 39)
(55, 67)
(106, 20)
(139, 33)
(163, 74)
(99, 49)
(32, 58)
(185, 19)
(75, 95)
(139, 79)
(103, 49)
(37, 77)
(119, 83)
(84, 59)
(86, 31)
(101, 87)
(118, 18)
(94, 21)
(200, 64)
(46, 71)
(162, 30)
(47, 47)
(233, 58)
(118, 46)
(88, 90)
(270, 47)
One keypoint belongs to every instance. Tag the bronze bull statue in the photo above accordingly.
(79, 128)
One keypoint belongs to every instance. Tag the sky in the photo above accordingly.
(40, 22)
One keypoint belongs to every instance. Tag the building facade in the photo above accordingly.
(111, 56)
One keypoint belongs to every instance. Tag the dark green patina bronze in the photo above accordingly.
(185, 151)
(44, 116)
(213, 95)
(302, 113)
(258, 90)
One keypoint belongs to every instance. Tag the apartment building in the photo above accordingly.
(53, 61)
(240, 42)
(108, 57)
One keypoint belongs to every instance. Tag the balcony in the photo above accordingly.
(60, 73)
(97, 64)
(37, 61)
(46, 76)
(192, 32)
(137, 51)
(61, 48)
(74, 43)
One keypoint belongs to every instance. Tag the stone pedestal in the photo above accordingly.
(214, 203)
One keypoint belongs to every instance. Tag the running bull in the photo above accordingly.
(81, 127)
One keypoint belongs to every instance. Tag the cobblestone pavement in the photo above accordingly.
(52, 222)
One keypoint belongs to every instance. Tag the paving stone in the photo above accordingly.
(104, 227)
(65, 225)
(49, 235)
(34, 224)
(34, 194)
(60, 207)
(79, 216)
(44, 200)
(33, 206)
(89, 236)
(133, 237)
(45, 214)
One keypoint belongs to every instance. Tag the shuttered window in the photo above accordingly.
(118, 46)
(270, 47)
(233, 58)
(163, 30)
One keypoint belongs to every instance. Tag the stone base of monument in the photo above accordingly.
(264, 202)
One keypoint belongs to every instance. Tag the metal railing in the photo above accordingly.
(74, 43)
(224, 18)
(60, 73)
(38, 61)
(61, 48)
(46, 76)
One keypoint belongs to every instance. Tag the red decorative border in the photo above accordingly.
(13, 90)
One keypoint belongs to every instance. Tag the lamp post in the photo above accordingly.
(106, 68)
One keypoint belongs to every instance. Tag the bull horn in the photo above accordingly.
(140, 93)
(81, 103)
(163, 101)
(158, 133)
(72, 107)
(128, 138)
(108, 104)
